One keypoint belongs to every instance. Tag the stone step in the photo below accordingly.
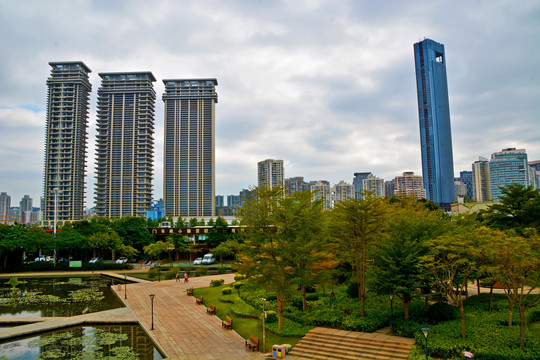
(325, 343)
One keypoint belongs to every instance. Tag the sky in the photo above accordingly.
(328, 86)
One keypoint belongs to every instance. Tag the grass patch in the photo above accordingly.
(242, 325)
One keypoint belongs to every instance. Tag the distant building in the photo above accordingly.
(5, 204)
(434, 116)
(323, 192)
(270, 173)
(233, 201)
(66, 136)
(460, 190)
(389, 188)
(295, 184)
(409, 184)
(481, 180)
(535, 177)
(156, 211)
(25, 206)
(189, 159)
(343, 191)
(220, 200)
(508, 166)
(358, 184)
(125, 144)
(466, 178)
(374, 184)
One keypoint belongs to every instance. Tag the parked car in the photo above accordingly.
(208, 259)
(40, 258)
(94, 260)
(197, 261)
(122, 260)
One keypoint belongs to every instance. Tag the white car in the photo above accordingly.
(41, 258)
(122, 260)
(208, 259)
(94, 260)
(197, 261)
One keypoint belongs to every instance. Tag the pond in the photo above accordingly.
(57, 296)
(84, 342)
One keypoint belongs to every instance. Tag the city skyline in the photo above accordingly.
(327, 87)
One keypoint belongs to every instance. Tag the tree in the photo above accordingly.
(519, 208)
(396, 266)
(518, 268)
(157, 248)
(133, 231)
(274, 223)
(104, 241)
(219, 232)
(355, 225)
(451, 263)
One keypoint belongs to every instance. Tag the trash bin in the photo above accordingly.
(279, 351)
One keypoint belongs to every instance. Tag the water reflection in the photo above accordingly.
(60, 287)
(88, 342)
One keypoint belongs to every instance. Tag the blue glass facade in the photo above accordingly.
(434, 116)
(508, 167)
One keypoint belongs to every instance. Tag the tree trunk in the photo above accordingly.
(521, 327)
(360, 289)
(462, 315)
(304, 303)
(478, 286)
(510, 315)
(406, 307)
(280, 304)
(491, 296)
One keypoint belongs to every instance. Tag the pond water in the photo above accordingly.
(57, 296)
(84, 342)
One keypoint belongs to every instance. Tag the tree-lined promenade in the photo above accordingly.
(398, 247)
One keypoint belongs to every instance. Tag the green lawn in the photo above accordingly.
(535, 329)
(243, 326)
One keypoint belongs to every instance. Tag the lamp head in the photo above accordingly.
(426, 331)
(152, 296)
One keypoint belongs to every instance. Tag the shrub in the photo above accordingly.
(238, 284)
(201, 271)
(226, 291)
(352, 290)
(241, 309)
(222, 269)
(441, 311)
(229, 298)
(239, 277)
(218, 282)
(271, 316)
(271, 298)
(290, 328)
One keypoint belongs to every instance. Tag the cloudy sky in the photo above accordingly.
(326, 85)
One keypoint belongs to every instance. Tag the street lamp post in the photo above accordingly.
(264, 330)
(152, 301)
(391, 312)
(125, 286)
(426, 333)
(54, 226)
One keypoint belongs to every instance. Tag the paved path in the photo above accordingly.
(182, 328)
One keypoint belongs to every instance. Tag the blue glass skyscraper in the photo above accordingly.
(434, 114)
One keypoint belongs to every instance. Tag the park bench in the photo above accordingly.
(227, 323)
(211, 310)
(199, 301)
(252, 343)
(189, 292)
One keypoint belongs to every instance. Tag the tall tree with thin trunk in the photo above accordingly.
(355, 225)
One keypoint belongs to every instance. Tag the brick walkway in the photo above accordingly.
(182, 329)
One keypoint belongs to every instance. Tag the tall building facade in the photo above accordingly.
(65, 140)
(322, 191)
(508, 166)
(343, 191)
(189, 153)
(270, 173)
(125, 144)
(409, 184)
(358, 184)
(374, 185)
(481, 180)
(295, 184)
(5, 204)
(466, 178)
(434, 116)
(25, 205)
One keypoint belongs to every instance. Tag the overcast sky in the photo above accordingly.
(328, 86)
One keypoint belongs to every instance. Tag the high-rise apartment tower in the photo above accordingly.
(125, 144)
(434, 115)
(189, 161)
(65, 140)
(270, 173)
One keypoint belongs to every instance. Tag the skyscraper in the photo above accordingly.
(508, 166)
(25, 206)
(189, 161)
(125, 144)
(5, 204)
(270, 173)
(409, 184)
(434, 115)
(373, 184)
(481, 180)
(358, 183)
(65, 140)
(342, 191)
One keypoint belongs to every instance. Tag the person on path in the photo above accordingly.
(186, 278)
(178, 276)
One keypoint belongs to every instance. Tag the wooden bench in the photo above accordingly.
(199, 301)
(211, 310)
(227, 323)
(189, 292)
(252, 343)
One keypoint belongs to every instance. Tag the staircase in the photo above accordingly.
(324, 343)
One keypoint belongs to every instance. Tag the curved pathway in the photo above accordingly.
(183, 329)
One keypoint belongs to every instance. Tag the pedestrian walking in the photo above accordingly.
(178, 276)
(186, 278)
